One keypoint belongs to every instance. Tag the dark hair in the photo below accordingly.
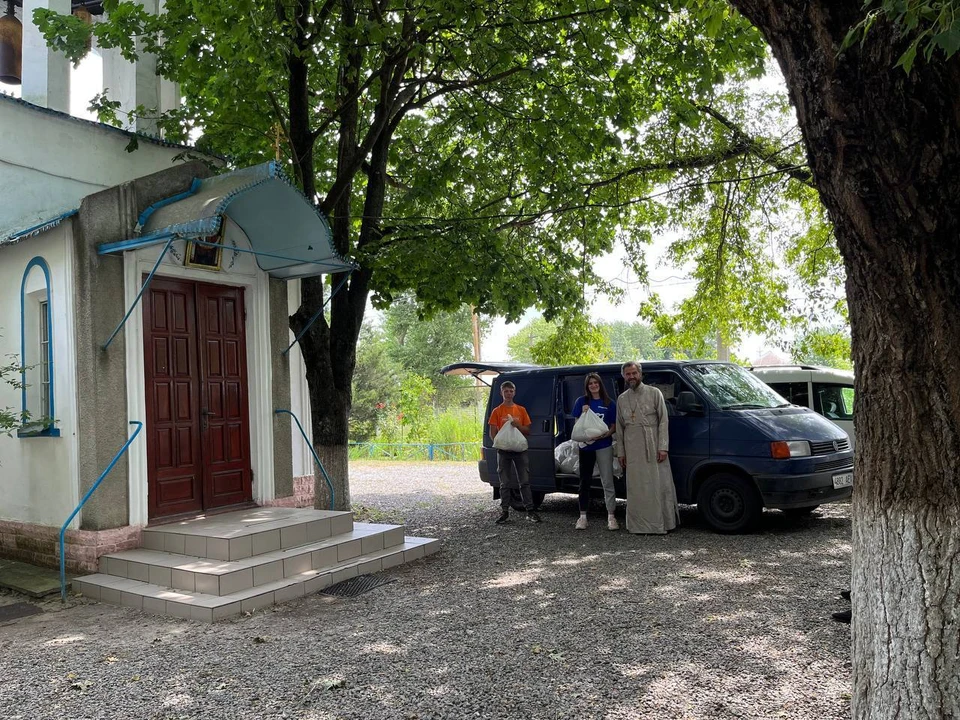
(603, 390)
(507, 384)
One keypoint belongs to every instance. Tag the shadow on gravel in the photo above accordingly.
(514, 619)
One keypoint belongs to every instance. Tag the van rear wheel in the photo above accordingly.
(729, 503)
(516, 502)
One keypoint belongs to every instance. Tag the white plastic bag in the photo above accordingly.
(589, 427)
(617, 470)
(567, 455)
(510, 439)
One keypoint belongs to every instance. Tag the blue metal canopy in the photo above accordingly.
(288, 236)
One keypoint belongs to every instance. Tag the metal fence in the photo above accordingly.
(459, 452)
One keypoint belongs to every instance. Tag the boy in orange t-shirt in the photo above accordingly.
(512, 467)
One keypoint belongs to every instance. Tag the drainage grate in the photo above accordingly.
(18, 610)
(357, 586)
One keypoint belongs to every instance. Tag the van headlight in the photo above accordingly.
(786, 449)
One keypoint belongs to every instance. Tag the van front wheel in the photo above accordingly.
(516, 502)
(729, 503)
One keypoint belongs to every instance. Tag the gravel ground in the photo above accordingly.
(519, 620)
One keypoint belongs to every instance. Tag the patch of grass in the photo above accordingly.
(365, 513)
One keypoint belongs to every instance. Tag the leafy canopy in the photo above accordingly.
(397, 354)
(823, 346)
(931, 26)
(580, 342)
(522, 136)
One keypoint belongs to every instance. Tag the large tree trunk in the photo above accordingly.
(329, 349)
(884, 147)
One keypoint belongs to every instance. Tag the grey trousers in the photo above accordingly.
(588, 458)
(514, 470)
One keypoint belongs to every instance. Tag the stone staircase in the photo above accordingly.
(221, 566)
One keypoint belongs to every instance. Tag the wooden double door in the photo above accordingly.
(198, 429)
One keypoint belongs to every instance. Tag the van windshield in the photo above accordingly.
(733, 388)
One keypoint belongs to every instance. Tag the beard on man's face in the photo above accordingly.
(633, 382)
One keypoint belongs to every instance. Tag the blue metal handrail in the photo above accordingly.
(317, 314)
(143, 289)
(63, 528)
(314, 452)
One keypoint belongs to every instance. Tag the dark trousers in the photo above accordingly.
(513, 468)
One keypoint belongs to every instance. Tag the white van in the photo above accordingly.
(823, 390)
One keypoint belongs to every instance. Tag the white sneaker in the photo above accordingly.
(612, 524)
(581, 523)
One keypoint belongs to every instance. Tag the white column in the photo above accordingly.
(134, 84)
(46, 74)
(169, 90)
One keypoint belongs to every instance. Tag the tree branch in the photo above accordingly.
(758, 148)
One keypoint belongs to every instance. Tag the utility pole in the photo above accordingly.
(476, 333)
(723, 350)
(477, 383)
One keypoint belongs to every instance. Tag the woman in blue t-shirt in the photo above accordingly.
(600, 450)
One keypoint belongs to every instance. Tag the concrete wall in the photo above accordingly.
(109, 216)
(38, 476)
(303, 462)
(49, 162)
(279, 333)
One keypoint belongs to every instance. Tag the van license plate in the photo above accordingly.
(842, 480)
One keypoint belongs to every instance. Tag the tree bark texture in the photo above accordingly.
(330, 396)
(884, 147)
(329, 346)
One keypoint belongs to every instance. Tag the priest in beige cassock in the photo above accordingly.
(642, 442)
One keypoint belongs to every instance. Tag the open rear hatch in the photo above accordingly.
(481, 370)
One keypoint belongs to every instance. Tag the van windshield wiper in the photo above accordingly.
(744, 406)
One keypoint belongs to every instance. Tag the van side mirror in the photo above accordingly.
(687, 403)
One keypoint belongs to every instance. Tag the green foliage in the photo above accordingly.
(823, 346)
(604, 342)
(11, 374)
(515, 145)
(750, 228)
(460, 424)
(375, 379)
(404, 351)
(11, 419)
(520, 344)
(816, 265)
(930, 26)
(423, 345)
(484, 153)
(415, 406)
(461, 428)
(576, 341)
(632, 341)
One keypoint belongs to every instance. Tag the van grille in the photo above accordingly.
(833, 465)
(829, 447)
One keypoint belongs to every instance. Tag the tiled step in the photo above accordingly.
(218, 577)
(246, 533)
(205, 607)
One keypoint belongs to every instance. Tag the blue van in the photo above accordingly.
(736, 446)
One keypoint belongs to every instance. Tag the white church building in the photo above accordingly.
(147, 297)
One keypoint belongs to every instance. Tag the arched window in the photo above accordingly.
(36, 350)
